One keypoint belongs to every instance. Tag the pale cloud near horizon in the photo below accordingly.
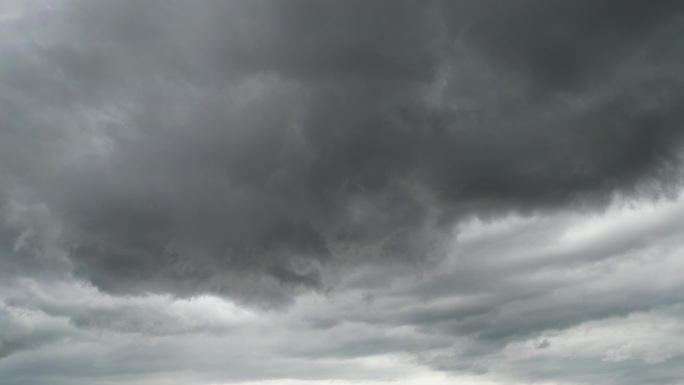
(615, 317)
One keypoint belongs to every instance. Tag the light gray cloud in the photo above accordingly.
(593, 319)
(22, 329)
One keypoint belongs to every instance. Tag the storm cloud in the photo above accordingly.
(243, 146)
(264, 150)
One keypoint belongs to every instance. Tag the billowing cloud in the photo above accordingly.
(239, 147)
(428, 181)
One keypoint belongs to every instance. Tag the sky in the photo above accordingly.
(347, 192)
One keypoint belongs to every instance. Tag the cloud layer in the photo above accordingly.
(557, 299)
(434, 182)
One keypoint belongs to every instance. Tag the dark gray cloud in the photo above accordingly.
(237, 147)
(560, 44)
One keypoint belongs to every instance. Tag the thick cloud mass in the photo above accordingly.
(243, 147)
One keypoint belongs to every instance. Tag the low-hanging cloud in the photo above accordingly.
(240, 147)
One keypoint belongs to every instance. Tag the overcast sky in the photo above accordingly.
(286, 192)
